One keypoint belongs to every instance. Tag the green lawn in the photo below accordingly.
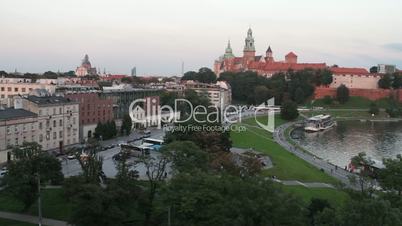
(4, 222)
(54, 205)
(286, 165)
(335, 197)
(353, 103)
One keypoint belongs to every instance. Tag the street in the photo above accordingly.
(73, 168)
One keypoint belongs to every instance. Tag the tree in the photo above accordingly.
(261, 94)
(365, 179)
(126, 125)
(374, 108)
(390, 177)
(385, 82)
(299, 95)
(289, 110)
(204, 75)
(185, 156)
(397, 81)
(327, 100)
(342, 94)
(326, 77)
(374, 69)
(21, 180)
(315, 207)
(91, 166)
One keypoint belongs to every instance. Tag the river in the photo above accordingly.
(339, 144)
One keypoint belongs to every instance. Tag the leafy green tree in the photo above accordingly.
(390, 177)
(95, 206)
(397, 81)
(374, 108)
(91, 166)
(185, 156)
(326, 77)
(315, 207)
(127, 124)
(30, 162)
(261, 94)
(204, 75)
(370, 211)
(373, 69)
(342, 94)
(289, 110)
(365, 179)
(385, 82)
(299, 95)
(327, 100)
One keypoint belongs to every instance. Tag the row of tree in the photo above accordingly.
(296, 86)
(391, 81)
(106, 130)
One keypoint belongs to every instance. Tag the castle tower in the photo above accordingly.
(228, 52)
(249, 48)
(291, 58)
(268, 55)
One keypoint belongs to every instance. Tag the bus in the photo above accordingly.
(152, 141)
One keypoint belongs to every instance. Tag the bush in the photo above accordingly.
(342, 94)
(289, 110)
(327, 100)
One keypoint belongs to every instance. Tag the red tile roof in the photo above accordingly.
(352, 71)
(291, 54)
(281, 66)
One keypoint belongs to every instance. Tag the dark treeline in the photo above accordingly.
(35, 76)
(250, 88)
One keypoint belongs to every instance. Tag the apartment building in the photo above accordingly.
(16, 127)
(58, 119)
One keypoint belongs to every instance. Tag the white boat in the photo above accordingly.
(318, 123)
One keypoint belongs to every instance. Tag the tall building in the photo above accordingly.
(92, 111)
(58, 120)
(265, 66)
(16, 127)
(219, 94)
(85, 68)
(386, 69)
(134, 71)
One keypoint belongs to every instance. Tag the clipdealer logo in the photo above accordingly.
(147, 112)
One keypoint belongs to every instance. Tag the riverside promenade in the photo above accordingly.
(339, 173)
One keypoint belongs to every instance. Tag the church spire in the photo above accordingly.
(249, 42)
(228, 51)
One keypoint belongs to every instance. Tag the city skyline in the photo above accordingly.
(157, 36)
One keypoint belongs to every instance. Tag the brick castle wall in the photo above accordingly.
(371, 94)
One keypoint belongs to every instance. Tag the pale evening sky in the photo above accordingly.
(157, 35)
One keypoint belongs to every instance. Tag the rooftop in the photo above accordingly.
(49, 100)
(11, 113)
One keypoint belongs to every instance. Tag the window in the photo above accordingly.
(54, 123)
(60, 111)
(2, 96)
(61, 123)
(74, 120)
(54, 111)
(9, 89)
(40, 137)
(23, 90)
(2, 88)
(54, 135)
(61, 134)
(8, 130)
(40, 125)
(16, 89)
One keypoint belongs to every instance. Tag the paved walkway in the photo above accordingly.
(31, 219)
(336, 172)
(304, 184)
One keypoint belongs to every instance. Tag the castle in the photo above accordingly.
(85, 68)
(265, 66)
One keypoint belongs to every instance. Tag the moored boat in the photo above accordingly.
(319, 122)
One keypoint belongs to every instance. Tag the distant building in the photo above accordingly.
(10, 87)
(92, 111)
(386, 69)
(58, 120)
(85, 68)
(16, 127)
(219, 94)
(265, 66)
(354, 78)
(134, 71)
(122, 96)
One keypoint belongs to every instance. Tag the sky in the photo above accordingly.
(156, 36)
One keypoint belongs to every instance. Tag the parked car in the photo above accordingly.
(71, 156)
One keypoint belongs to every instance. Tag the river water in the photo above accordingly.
(339, 144)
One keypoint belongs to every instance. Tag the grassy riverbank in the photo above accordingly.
(287, 166)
